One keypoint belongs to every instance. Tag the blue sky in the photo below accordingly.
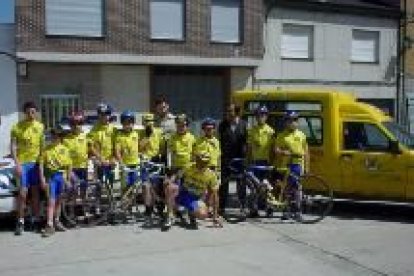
(6, 11)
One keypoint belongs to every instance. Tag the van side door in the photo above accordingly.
(369, 168)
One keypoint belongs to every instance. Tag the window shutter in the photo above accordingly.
(225, 21)
(365, 45)
(74, 17)
(297, 41)
(167, 19)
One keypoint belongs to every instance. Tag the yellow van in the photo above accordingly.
(359, 151)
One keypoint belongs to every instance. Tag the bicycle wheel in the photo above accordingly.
(89, 209)
(236, 209)
(316, 199)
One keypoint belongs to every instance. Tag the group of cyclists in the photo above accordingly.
(194, 163)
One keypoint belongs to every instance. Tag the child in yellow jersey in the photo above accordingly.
(197, 182)
(127, 148)
(209, 143)
(26, 146)
(77, 143)
(101, 140)
(291, 150)
(150, 146)
(260, 140)
(150, 139)
(55, 169)
(181, 144)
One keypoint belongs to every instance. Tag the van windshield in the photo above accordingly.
(402, 135)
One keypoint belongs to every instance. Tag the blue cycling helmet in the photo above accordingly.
(208, 122)
(261, 110)
(291, 115)
(128, 116)
(104, 108)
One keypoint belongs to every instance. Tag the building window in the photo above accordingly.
(56, 107)
(365, 46)
(74, 18)
(225, 22)
(297, 41)
(167, 19)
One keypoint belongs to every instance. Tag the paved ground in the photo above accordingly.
(357, 240)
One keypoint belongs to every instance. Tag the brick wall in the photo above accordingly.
(128, 31)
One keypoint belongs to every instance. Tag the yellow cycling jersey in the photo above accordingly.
(56, 157)
(127, 143)
(77, 143)
(260, 139)
(150, 146)
(29, 140)
(102, 138)
(210, 145)
(198, 181)
(295, 143)
(181, 147)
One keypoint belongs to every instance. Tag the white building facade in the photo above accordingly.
(344, 50)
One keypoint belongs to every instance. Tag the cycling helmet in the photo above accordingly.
(208, 122)
(262, 110)
(76, 118)
(181, 118)
(104, 108)
(291, 115)
(128, 116)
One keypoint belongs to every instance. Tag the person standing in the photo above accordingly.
(232, 135)
(164, 120)
(260, 140)
(26, 143)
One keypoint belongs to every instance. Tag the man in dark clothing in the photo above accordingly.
(232, 135)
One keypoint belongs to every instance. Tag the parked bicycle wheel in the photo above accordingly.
(316, 199)
(82, 207)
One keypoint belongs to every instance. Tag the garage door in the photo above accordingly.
(196, 92)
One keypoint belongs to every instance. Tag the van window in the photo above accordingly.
(364, 136)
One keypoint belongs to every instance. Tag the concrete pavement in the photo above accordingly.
(340, 245)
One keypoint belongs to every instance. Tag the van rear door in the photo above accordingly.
(368, 168)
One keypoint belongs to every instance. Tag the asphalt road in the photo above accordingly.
(355, 240)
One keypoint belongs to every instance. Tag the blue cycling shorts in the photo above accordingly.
(189, 201)
(56, 185)
(30, 175)
(81, 175)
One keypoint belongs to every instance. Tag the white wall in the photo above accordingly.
(241, 78)
(8, 93)
(332, 51)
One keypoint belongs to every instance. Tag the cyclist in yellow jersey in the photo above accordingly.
(101, 139)
(197, 182)
(151, 141)
(127, 148)
(260, 139)
(55, 170)
(150, 138)
(208, 142)
(181, 144)
(77, 143)
(259, 146)
(26, 142)
(291, 151)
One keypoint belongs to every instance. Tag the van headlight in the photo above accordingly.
(5, 182)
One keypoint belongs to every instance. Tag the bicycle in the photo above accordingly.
(87, 204)
(314, 198)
